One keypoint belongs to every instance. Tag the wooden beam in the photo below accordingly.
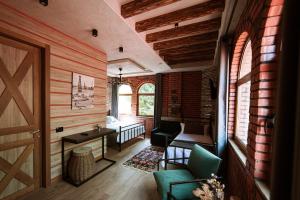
(190, 60)
(209, 55)
(192, 64)
(187, 30)
(187, 41)
(188, 55)
(200, 10)
(140, 6)
(188, 49)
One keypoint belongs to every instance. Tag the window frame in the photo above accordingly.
(131, 95)
(144, 94)
(240, 81)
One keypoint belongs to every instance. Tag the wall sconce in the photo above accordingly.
(121, 49)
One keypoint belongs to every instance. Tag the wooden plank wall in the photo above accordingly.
(67, 55)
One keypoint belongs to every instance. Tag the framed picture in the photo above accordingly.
(82, 91)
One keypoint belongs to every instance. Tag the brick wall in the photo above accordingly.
(208, 105)
(186, 96)
(260, 22)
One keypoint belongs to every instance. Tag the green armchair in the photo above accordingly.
(178, 184)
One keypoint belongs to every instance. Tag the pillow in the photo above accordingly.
(203, 163)
(111, 119)
(108, 120)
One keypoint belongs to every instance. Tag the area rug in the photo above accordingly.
(146, 159)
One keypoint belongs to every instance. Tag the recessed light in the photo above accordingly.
(95, 32)
(44, 2)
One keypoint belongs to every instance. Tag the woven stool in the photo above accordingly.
(81, 164)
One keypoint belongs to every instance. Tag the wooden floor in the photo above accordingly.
(116, 183)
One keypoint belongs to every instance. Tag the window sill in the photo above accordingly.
(264, 189)
(242, 157)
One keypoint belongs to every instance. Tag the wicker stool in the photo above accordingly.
(81, 164)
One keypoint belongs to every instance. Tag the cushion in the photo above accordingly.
(165, 177)
(203, 163)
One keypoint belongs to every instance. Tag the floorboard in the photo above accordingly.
(116, 183)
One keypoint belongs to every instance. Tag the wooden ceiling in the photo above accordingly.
(189, 43)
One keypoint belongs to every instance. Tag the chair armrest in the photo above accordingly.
(184, 182)
(167, 159)
(155, 130)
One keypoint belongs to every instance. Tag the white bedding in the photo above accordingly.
(115, 124)
(176, 152)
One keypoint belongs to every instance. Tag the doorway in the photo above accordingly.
(20, 118)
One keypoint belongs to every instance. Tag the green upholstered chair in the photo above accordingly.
(179, 183)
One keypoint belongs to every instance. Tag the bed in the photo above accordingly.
(181, 146)
(125, 130)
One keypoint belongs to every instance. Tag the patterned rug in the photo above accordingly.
(146, 159)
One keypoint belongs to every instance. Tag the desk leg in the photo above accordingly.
(166, 152)
(63, 159)
(102, 146)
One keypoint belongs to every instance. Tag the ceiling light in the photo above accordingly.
(44, 2)
(95, 32)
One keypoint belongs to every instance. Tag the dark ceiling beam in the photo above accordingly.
(189, 54)
(190, 60)
(200, 10)
(140, 6)
(186, 41)
(188, 49)
(187, 30)
(209, 55)
(192, 64)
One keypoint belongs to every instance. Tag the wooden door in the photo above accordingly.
(19, 118)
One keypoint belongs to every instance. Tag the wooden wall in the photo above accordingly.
(67, 55)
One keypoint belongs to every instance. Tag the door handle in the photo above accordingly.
(36, 133)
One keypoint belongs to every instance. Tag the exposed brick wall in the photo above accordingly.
(208, 105)
(260, 22)
(186, 96)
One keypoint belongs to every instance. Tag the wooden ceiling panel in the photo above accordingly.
(140, 6)
(187, 30)
(200, 10)
(187, 41)
(188, 49)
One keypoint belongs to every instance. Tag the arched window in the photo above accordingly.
(146, 99)
(243, 95)
(125, 96)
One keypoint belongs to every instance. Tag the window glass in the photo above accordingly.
(146, 99)
(147, 88)
(243, 95)
(125, 89)
(246, 60)
(125, 98)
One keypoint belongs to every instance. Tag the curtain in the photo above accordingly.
(158, 100)
(221, 121)
(114, 100)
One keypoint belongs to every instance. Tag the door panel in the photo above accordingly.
(19, 118)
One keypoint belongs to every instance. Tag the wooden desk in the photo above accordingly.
(83, 137)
